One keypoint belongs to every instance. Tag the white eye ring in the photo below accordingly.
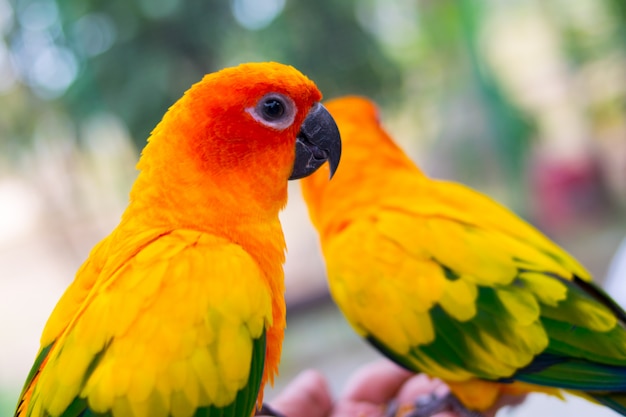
(274, 110)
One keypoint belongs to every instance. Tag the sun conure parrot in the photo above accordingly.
(180, 310)
(443, 280)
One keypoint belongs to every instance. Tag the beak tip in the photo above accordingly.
(333, 163)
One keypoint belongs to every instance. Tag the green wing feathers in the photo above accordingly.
(496, 301)
(31, 378)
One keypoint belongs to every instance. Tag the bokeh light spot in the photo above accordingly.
(94, 33)
(39, 15)
(254, 14)
(53, 71)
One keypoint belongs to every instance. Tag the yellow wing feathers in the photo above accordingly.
(444, 280)
(406, 260)
(464, 206)
(156, 344)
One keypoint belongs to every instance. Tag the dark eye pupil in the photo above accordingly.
(273, 109)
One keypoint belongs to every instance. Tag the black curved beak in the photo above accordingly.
(318, 141)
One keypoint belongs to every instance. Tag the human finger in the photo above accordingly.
(377, 382)
(306, 396)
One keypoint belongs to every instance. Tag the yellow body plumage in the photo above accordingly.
(166, 343)
(446, 281)
(180, 311)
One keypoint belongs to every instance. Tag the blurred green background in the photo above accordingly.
(522, 99)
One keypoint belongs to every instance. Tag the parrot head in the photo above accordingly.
(244, 130)
(276, 104)
(257, 116)
(355, 109)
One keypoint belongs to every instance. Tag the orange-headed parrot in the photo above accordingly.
(443, 280)
(180, 311)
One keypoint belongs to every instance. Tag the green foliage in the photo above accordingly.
(160, 48)
(134, 59)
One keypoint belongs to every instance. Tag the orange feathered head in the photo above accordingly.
(244, 130)
(249, 110)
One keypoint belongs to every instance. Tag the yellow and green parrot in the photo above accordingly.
(180, 311)
(443, 280)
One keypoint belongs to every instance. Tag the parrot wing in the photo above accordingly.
(176, 330)
(459, 287)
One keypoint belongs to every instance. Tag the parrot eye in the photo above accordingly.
(274, 110)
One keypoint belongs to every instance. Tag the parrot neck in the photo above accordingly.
(390, 169)
(241, 207)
